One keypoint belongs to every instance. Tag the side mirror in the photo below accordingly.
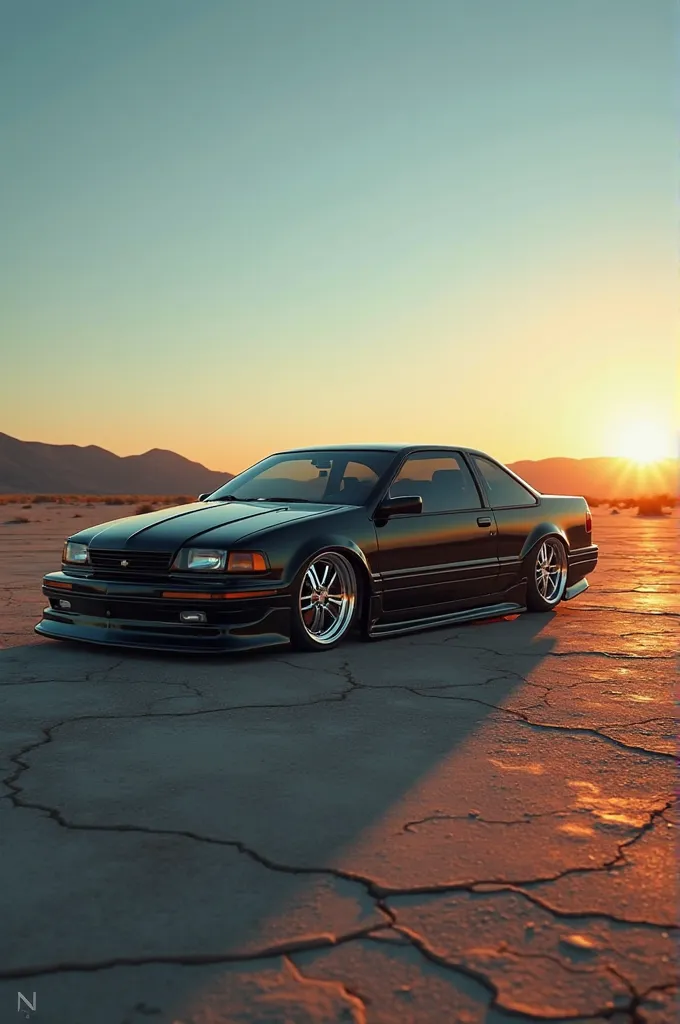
(202, 497)
(403, 505)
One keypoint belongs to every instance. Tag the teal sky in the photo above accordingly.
(233, 227)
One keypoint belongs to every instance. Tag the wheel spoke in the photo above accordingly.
(317, 619)
(314, 576)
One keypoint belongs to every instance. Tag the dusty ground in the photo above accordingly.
(473, 824)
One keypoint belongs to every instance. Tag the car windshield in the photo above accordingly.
(325, 477)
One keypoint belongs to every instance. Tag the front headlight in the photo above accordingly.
(204, 559)
(74, 553)
(210, 559)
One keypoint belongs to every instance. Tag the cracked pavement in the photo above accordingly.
(476, 824)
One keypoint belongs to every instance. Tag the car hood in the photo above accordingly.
(213, 523)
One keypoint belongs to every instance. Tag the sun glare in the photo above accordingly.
(644, 442)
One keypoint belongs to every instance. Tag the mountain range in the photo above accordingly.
(32, 467)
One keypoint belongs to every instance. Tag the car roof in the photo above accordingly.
(382, 447)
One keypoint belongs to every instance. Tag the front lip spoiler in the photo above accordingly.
(270, 630)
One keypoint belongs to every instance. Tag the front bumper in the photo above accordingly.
(127, 614)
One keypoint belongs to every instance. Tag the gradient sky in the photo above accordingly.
(234, 227)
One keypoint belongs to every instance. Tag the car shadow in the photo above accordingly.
(310, 790)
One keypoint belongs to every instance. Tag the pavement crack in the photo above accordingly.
(522, 717)
(473, 816)
(357, 1003)
(309, 668)
(87, 678)
(280, 949)
(620, 858)
(431, 954)
(484, 888)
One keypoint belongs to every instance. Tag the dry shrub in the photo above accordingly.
(27, 506)
(143, 509)
(17, 520)
(652, 506)
(43, 499)
(77, 515)
(115, 501)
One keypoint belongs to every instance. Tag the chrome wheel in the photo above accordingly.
(328, 597)
(551, 571)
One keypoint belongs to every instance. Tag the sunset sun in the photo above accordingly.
(644, 442)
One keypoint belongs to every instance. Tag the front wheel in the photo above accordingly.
(546, 575)
(324, 602)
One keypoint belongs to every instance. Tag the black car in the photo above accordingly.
(311, 544)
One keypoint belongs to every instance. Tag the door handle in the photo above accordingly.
(483, 521)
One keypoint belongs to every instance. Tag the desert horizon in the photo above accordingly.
(30, 467)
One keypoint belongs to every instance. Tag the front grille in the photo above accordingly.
(137, 561)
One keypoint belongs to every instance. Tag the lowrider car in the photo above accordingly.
(309, 546)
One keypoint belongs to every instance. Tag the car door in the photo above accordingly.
(444, 558)
(515, 510)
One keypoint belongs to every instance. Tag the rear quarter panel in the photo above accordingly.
(568, 512)
(519, 529)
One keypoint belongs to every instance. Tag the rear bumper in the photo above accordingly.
(581, 562)
(138, 616)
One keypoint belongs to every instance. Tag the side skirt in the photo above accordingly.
(575, 589)
(490, 611)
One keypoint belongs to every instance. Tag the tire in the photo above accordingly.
(325, 602)
(546, 575)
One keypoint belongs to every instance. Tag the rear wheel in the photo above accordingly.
(325, 602)
(546, 575)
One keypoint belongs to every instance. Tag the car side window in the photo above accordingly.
(504, 490)
(443, 482)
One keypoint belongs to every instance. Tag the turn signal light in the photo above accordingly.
(188, 595)
(246, 561)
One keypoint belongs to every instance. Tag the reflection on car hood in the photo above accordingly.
(212, 523)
